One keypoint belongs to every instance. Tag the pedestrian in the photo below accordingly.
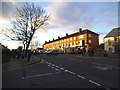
(29, 56)
(14, 54)
(18, 54)
(23, 55)
(92, 52)
(82, 52)
(89, 51)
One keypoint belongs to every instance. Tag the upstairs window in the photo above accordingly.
(74, 38)
(89, 35)
(71, 38)
(81, 36)
(89, 41)
(109, 42)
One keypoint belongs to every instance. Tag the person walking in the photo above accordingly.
(29, 56)
(14, 54)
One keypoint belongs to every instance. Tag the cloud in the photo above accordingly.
(72, 15)
(69, 15)
(8, 9)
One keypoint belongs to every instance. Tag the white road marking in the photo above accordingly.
(57, 66)
(49, 66)
(57, 69)
(115, 67)
(69, 72)
(52, 64)
(81, 77)
(62, 68)
(108, 88)
(39, 75)
(102, 68)
(49, 63)
(75, 59)
(52, 67)
(94, 83)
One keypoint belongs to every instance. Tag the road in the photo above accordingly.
(63, 71)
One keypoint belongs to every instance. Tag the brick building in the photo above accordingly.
(81, 39)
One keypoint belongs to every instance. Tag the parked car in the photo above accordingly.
(54, 52)
(101, 52)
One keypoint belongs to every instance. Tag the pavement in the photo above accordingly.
(18, 63)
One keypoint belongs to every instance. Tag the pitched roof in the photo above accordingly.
(114, 32)
(74, 34)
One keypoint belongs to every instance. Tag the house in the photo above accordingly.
(111, 40)
(82, 39)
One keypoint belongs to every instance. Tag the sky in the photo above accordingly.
(66, 17)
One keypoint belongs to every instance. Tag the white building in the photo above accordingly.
(110, 39)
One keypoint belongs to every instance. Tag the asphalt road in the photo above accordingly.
(61, 71)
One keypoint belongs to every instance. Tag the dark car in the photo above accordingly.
(54, 52)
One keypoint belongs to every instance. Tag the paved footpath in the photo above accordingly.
(16, 64)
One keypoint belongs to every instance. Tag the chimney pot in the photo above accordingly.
(80, 30)
(45, 42)
(66, 34)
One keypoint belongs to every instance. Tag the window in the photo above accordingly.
(71, 38)
(74, 43)
(64, 40)
(70, 43)
(80, 42)
(89, 41)
(109, 42)
(89, 35)
(74, 38)
(67, 39)
(81, 36)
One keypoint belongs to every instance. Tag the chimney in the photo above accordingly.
(45, 42)
(58, 37)
(80, 30)
(49, 40)
(66, 34)
(53, 39)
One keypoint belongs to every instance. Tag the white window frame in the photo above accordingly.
(81, 36)
(90, 41)
(89, 35)
(74, 38)
(71, 38)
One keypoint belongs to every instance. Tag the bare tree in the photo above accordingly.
(28, 20)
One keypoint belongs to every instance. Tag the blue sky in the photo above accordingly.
(67, 17)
